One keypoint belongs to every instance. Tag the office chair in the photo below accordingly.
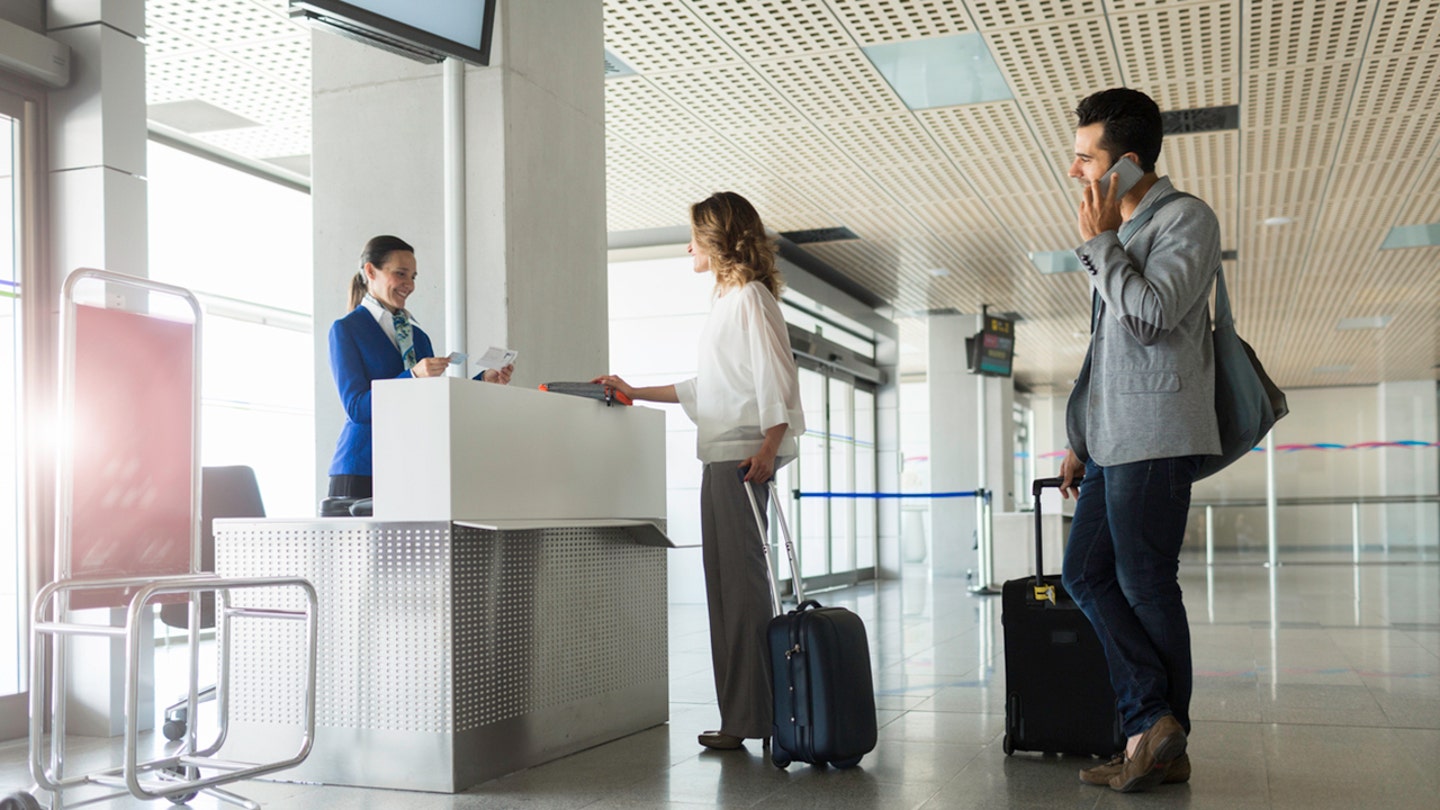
(225, 492)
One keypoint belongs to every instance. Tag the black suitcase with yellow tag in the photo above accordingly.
(1057, 686)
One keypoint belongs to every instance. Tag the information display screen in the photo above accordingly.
(459, 28)
(994, 348)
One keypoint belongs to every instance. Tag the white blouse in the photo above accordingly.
(747, 381)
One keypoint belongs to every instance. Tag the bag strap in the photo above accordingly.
(1223, 316)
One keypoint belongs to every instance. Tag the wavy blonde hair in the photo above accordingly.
(727, 228)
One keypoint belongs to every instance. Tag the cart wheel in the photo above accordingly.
(19, 801)
(845, 764)
(1008, 745)
(184, 772)
(174, 730)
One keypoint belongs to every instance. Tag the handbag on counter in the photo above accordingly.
(1247, 402)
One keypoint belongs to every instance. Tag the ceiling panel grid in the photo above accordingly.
(993, 15)
(638, 111)
(1282, 33)
(1397, 85)
(653, 36)
(910, 184)
(1406, 26)
(833, 85)
(1063, 60)
(872, 22)
(885, 140)
(1185, 56)
(729, 97)
(1423, 205)
(764, 29)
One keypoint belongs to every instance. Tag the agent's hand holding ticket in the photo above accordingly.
(497, 358)
(496, 365)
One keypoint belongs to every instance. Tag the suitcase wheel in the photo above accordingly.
(843, 764)
(779, 760)
(1008, 745)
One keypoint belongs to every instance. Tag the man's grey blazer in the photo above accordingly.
(1147, 389)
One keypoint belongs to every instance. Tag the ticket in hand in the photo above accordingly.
(457, 358)
(497, 358)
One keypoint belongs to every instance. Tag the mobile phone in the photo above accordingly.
(1126, 172)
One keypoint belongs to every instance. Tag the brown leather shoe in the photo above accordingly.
(1175, 773)
(1159, 745)
(720, 741)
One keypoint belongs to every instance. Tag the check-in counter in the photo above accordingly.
(505, 606)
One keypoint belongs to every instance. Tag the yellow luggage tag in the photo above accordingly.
(1045, 593)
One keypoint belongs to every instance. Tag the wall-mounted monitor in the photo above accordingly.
(427, 32)
(992, 350)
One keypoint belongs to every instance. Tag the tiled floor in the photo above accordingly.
(1317, 687)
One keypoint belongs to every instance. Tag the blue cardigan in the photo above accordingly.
(360, 353)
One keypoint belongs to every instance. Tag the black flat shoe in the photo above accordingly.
(720, 741)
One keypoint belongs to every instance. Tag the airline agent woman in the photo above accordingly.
(745, 400)
(378, 340)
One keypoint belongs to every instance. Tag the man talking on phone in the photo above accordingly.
(1139, 420)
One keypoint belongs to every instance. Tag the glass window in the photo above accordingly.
(12, 591)
(842, 475)
(243, 245)
(865, 479)
(814, 477)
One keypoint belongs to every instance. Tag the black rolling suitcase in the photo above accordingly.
(824, 698)
(1057, 686)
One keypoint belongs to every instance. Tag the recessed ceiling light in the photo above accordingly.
(1273, 221)
(1372, 322)
(1055, 261)
(938, 272)
(1408, 236)
(940, 71)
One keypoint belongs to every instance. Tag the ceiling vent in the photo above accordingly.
(814, 235)
(1201, 119)
(1229, 255)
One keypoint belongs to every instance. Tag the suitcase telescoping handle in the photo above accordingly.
(1043, 591)
(765, 542)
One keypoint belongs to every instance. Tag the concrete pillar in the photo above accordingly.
(98, 218)
(954, 445)
(535, 191)
(955, 437)
(1408, 412)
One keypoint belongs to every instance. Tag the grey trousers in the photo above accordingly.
(737, 588)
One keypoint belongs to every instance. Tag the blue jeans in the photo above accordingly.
(1121, 568)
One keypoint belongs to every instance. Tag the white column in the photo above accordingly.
(954, 445)
(534, 191)
(98, 219)
(1408, 413)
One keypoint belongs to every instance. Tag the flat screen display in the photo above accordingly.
(459, 28)
(994, 348)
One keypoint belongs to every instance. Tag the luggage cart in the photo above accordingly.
(127, 536)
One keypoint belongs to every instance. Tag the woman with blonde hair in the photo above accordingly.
(745, 401)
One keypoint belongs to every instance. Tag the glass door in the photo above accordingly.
(834, 531)
(18, 168)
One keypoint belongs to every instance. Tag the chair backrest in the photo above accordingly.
(225, 492)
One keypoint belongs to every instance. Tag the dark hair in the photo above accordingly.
(375, 252)
(1132, 123)
(728, 229)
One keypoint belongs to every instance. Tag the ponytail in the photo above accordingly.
(375, 252)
